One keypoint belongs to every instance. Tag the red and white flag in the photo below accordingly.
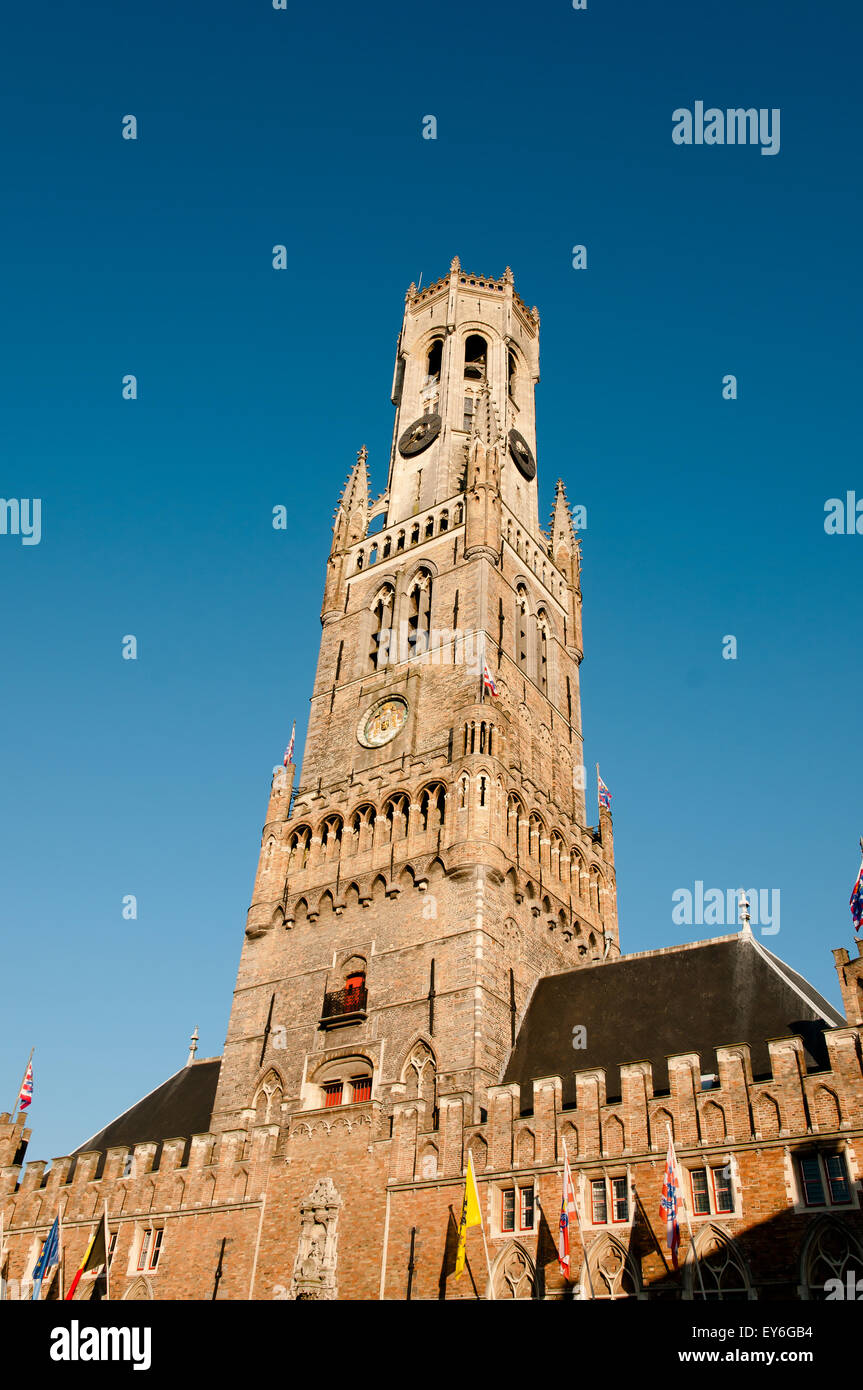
(487, 679)
(25, 1095)
(567, 1212)
(289, 751)
(669, 1203)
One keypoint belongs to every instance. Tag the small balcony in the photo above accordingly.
(343, 1006)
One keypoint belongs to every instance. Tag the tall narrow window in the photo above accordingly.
(467, 414)
(521, 627)
(475, 357)
(507, 1209)
(511, 374)
(542, 654)
(332, 1093)
(525, 1202)
(700, 1194)
(600, 1209)
(382, 623)
(419, 613)
(433, 362)
(722, 1189)
(619, 1200)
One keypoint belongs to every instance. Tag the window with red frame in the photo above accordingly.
(507, 1209)
(151, 1247)
(619, 1200)
(332, 1093)
(598, 1201)
(525, 1208)
(722, 1193)
(700, 1192)
(362, 1088)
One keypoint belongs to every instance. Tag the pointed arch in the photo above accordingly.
(513, 1275)
(419, 1071)
(827, 1110)
(713, 1124)
(612, 1273)
(720, 1269)
(140, 1291)
(767, 1117)
(830, 1251)
(525, 1148)
(613, 1137)
(267, 1099)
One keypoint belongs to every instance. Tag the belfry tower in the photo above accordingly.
(434, 861)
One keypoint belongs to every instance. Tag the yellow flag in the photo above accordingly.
(470, 1216)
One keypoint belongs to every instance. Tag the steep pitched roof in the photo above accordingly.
(648, 1006)
(181, 1106)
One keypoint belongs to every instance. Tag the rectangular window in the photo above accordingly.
(813, 1188)
(600, 1210)
(145, 1246)
(156, 1247)
(526, 1208)
(619, 1200)
(722, 1193)
(332, 1093)
(700, 1193)
(837, 1179)
(507, 1209)
(468, 413)
(362, 1087)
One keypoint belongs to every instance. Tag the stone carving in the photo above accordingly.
(314, 1276)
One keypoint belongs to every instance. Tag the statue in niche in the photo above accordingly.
(314, 1275)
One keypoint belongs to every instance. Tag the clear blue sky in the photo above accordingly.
(705, 517)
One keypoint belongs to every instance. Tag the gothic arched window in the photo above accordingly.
(434, 359)
(382, 626)
(419, 613)
(362, 827)
(331, 836)
(298, 846)
(511, 373)
(542, 652)
(521, 611)
(475, 357)
(396, 815)
(830, 1252)
(432, 807)
(720, 1274)
(534, 835)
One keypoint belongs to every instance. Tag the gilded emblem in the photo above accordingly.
(383, 721)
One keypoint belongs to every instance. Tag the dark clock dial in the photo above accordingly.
(522, 457)
(419, 435)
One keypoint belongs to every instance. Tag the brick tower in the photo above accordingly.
(435, 860)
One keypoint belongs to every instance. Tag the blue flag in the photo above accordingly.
(50, 1256)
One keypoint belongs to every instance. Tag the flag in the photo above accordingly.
(50, 1256)
(668, 1204)
(289, 751)
(470, 1216)
(95, 1254)
(567, 1211)
(603, 792)
(487, 680)
(25, 1095)
(857, 902)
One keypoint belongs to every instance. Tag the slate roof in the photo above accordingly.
(648, 1006)
(180, 1107)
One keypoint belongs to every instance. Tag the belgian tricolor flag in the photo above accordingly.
(96, 1253)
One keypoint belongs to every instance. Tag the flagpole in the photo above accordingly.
(685, 1206)
(21, 1087)
(580, 1227)
(487, 1260)
(107, 1253)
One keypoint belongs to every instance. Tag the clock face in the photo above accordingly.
(522, 457)
(383, 721)
(419, 435)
